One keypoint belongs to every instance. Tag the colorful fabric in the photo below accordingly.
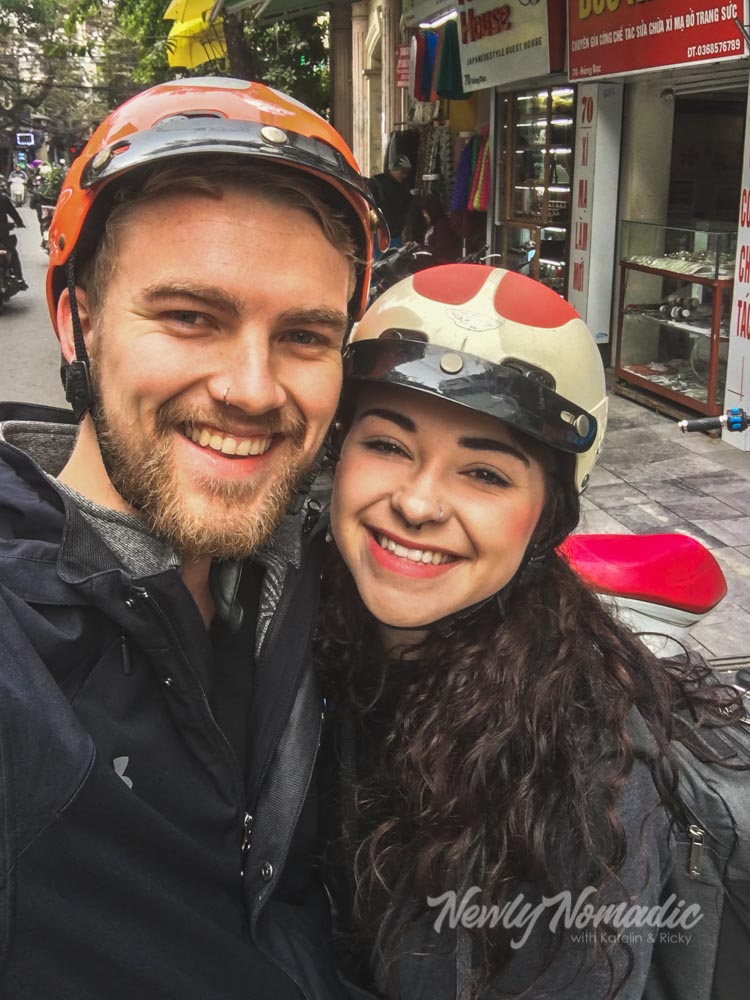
(449, 79)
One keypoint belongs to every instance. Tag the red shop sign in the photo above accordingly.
(402, 65)
(607, 37)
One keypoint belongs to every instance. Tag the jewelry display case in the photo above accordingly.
(674, 312)
(532, 224)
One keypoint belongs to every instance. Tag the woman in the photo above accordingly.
(440, 238)
(501, 740)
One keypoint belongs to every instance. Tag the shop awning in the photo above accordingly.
(273, 10)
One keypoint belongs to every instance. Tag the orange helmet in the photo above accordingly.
(208, 115)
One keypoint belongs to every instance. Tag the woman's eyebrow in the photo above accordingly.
(405, 423)
(491, 444)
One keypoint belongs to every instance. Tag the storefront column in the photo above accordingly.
(647, 152)
(341, 69)
(360, 118)
(390, 39)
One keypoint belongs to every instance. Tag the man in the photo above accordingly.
(158, 717)
(9, 217)
(392, 194)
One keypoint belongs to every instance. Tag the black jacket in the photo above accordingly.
(129, 862)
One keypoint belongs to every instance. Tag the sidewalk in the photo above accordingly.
(653, 478)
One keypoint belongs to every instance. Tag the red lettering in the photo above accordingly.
(582, 236)
(742, 317)
(578, 276)
(583, 193)
(585, 151)
(744, 269)
(491, 22)
(745, 208)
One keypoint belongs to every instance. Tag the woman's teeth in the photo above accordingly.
(226, 444)
(415, 555)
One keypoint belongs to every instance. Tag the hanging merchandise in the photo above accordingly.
(481, 168)
(439, 166)
(462, 184)
(434, 96)
(449, 80)
(428, 65)
(416, 62)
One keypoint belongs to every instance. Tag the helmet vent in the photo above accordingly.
(531, 371)
(176, 119)
(393, 334)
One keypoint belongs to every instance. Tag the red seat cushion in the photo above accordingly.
(673, 570)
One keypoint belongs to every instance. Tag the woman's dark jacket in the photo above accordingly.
(438, 961)
(140, 856)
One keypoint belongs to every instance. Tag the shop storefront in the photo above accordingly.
(684, 70)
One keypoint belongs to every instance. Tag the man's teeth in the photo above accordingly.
(415, 555)
(228, 445)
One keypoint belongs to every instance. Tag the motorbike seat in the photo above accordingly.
(667, 569)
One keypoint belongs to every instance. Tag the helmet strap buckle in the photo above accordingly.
(78, 390)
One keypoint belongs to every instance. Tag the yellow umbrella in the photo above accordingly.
(188, 10)
(193, 43)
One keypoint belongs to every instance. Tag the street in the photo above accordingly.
(30, 368)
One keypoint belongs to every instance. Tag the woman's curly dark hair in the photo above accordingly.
(485, 743)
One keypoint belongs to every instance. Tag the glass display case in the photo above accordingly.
(532, 222)
(674, 312)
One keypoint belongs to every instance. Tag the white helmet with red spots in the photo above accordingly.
(495, 341)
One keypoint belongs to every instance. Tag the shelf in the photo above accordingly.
(675, 324)
(694, 279)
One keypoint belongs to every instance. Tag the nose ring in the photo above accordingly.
(226, 391)
(441, 515)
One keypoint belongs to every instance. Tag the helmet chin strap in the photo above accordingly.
(76, 374)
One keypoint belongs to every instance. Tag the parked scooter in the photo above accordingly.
(660, 585)
(17, 187)
(10, 282)
(399, 262)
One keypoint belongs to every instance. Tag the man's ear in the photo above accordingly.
(65, 323)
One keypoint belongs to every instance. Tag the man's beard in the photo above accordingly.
(235, 518)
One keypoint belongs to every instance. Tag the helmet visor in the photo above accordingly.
(494, 389)
(182, 135)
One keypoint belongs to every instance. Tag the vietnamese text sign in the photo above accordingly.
(402, 65)
(607, 37)
(738, 362)
(500, 43)
(597, 158)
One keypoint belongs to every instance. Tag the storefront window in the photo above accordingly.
(535, 164)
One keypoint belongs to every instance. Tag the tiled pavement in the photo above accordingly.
(653, 478)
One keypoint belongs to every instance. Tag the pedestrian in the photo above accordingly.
(393, 195)
(158, 563)
(501, 743)
(440, 238)
(10, 217)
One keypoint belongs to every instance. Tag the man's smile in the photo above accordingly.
(227, 444)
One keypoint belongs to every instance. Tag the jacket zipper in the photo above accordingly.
(229, 753)
(695, 863)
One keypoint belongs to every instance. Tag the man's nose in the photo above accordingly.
(252, 380)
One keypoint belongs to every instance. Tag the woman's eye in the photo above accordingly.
(489, 476)
(383, 447)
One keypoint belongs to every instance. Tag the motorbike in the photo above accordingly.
(10, 283)
(399, 262)
(660, 585)
(46, 212)
(17, 189)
